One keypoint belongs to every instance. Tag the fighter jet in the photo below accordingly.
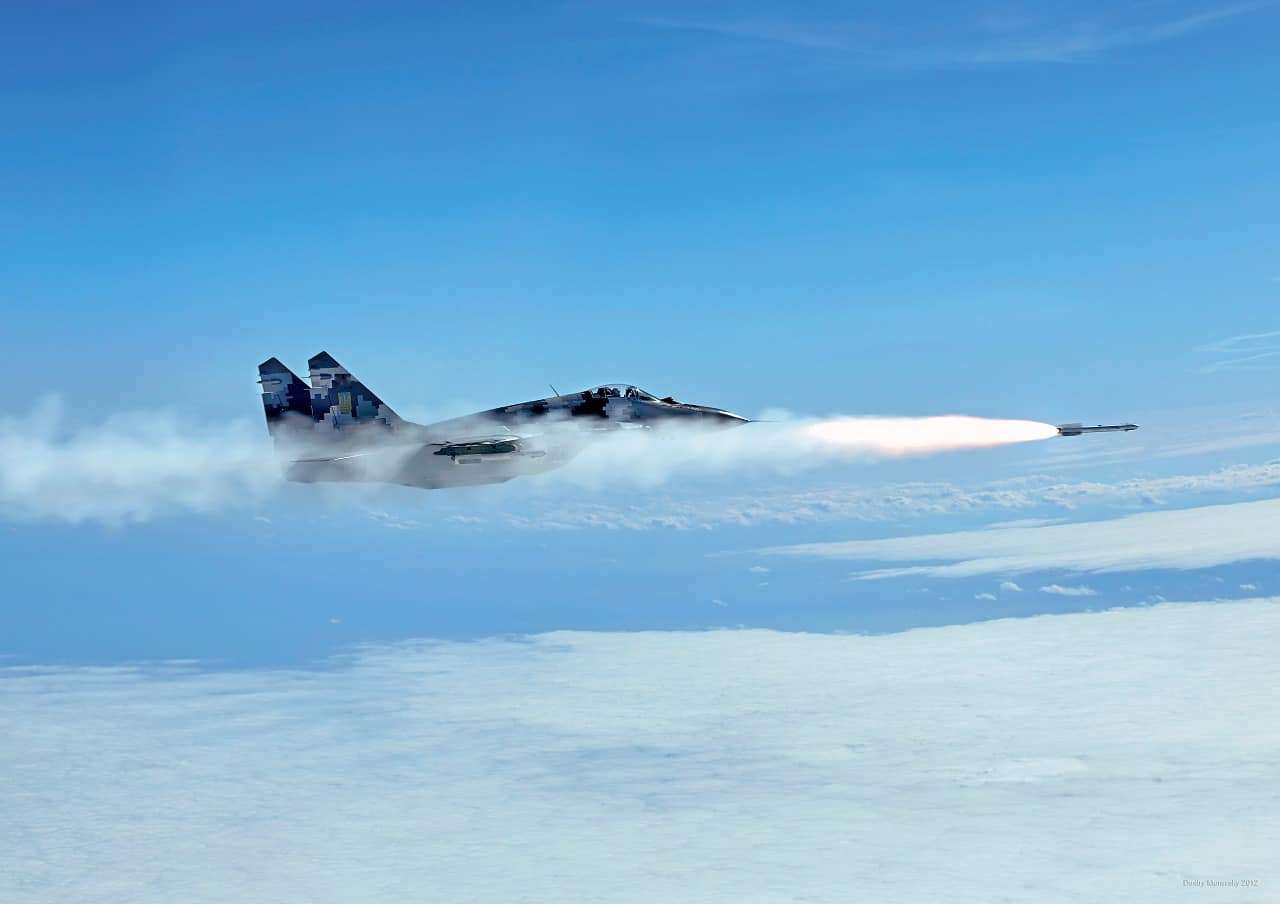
(337, 429)
(1077, 429)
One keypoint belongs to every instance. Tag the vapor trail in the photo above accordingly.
(139, 465)
(786, 446)
(129, 468)
(924, 435)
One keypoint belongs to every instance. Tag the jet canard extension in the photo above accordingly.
(335, 428)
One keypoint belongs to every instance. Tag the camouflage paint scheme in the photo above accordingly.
(337, 429)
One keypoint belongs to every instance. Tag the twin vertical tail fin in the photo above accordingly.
(339, 400)
(286, 401)
(336, 407)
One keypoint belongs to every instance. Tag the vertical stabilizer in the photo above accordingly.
(286, 401)
(335, 414)
(339, 400)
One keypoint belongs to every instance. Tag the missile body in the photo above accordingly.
(1077, 429)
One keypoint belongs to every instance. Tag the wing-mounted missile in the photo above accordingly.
(488, 448)
(1077, 429)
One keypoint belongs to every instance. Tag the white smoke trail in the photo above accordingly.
(785, 447)
(130, 468)
(925, 435)
(139, 465)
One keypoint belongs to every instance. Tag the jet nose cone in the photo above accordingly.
(724, 418)
(706, 415)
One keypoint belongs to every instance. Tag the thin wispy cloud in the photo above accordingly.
(980, 40)
(1249, 351)
(776, 31)
(616, 767)
(887, 502)
(393, 522)
(1181, 539)
(1082, 41)
(1072, 590)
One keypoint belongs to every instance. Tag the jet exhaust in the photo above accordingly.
(924, 435)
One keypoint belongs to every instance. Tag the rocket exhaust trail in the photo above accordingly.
(783, 447)
(924, 435)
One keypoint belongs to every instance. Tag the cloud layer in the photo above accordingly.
(1064, 758)
(1183, 539)
(886, 501)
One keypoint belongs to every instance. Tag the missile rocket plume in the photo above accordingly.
(783, 445)
(924, 435)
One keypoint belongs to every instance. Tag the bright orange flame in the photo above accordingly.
(920, 435)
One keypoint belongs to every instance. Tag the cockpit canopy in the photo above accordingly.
(621, 391)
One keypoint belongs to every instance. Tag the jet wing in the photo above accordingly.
(354, 456)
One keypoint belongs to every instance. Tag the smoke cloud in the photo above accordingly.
(139, 465)
(129, 468)
(786, 446)
(924, 435)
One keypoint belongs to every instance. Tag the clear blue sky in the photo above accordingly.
(1023, 210)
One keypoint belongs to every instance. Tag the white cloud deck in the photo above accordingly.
(1100, 756)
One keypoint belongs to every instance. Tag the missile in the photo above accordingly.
(1077, 429)
(487, 449)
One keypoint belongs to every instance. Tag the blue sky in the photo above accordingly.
(1058, 212)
